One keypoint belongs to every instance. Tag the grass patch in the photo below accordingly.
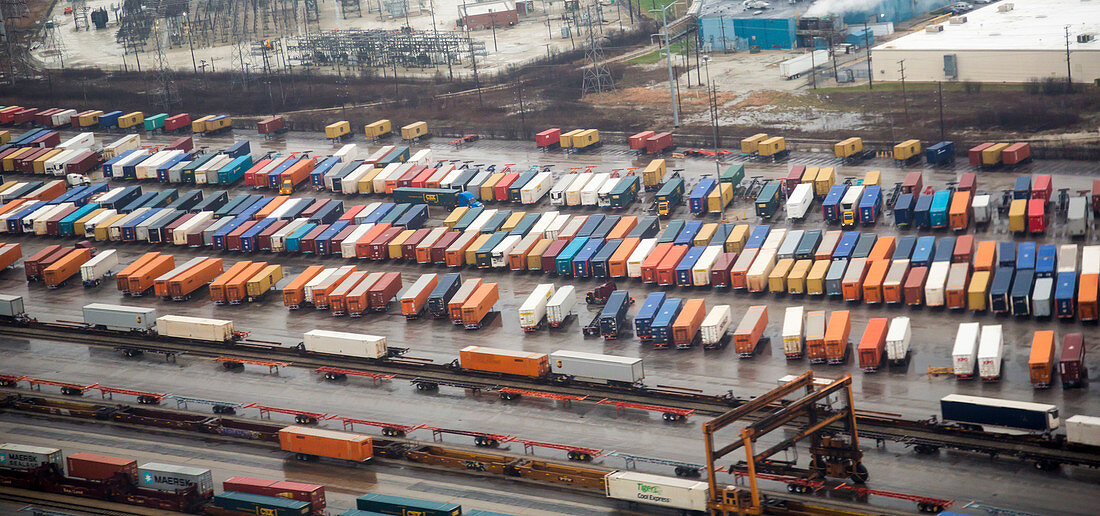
(651, 5)
(658, 55)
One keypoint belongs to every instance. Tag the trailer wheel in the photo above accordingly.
(1045, 465)
(132, 353)
(860, 475)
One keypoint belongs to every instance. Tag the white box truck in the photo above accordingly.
(991, 348)
(533, 310)
(964, 355)
(560, 306)
(897, 339)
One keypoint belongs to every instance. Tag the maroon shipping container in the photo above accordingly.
(50, 139)
(33, 265)
(176, 122)
(43, 117)
(195, 238)
(263, 240)
(550, 257)
(1071, 365)
(637, 141)
(913, 289)
(964, 249)
(913, 183)
(406, 179)
(793, 178)
(308, 245)
(408, 247)
(25, 163)
(82, 163)
(439, 248)
(968, 182)
(53, 224)
(720, 272)
(233, 239)
(338, 240)
(24, 115)
(378, 249)
(184, 143)
(312, 493)
(658, 143)
(90, 466)
(312, 209)
(382, 292)
(1016, 153)
(271, 125)
(49, 260)
(975, 154)
(167, 235)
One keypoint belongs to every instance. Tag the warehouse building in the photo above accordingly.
(1002, 42)
(484, 15)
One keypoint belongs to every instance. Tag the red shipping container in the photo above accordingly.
(872, 344)
(637, 142)
(1036, 215)
(233, 239)
(1016, 153)
(658, 143)
(666, 271)
(83, 163)
(1096, 196)
(183, 143)
(421, 180)
(33, 265)
(975, 154)
(270, 125)
(500, 190)
(25, 163)
(964, 249)
(194, 238)
(176, 122)
(913, 290)
(720, 272)
(382, 292)
(379, 248)
(408, 247)
(263, 240)
(549, 138)
(406, 179)
(168, 235)
(1071, 364)
(1042, 187)
(550, 256)
(913, 184)
(363, 245)
(250, 174)
(98, 467)
(23, 116)
(793, 178)
(968, 182)
(9, 254)
(338, 240)
(43, 117)
(439, 248)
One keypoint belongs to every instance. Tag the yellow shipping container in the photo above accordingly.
(977, 291)
(567, 138)
(738, 236)
(751, 145)
(777, 280)
(992, 155)
(773, 146)
(5, 137)
(906, 149)
(338, 130)
(511, 222)
(101, 232)
(848, 147)
(414, 131)
(78, 226)
(586, 138)
(394, 246)
(377, 129)
(89, 119)
(872, 178)
(702, 238)
(651, 176)
(455, 216)
(39, 164)
(216, 123)
(199, 126)
(471, 252)
(534, 258)
(485, 191)
(796, 280)
(810, 175)
(1017, 216)
(825, 180)
(131, 119)
(366, 183)
(264, 281)
(719, 198)
(815, 280)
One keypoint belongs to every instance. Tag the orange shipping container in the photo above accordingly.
(852, 285)
(815, 336)
(686, 325)
(623, 228)
(747, 335)
(872, 344)
(985, 255)
(740, 269)
(328, 285)
(181, 286)
(217, 287)
(504, 361)
(9, 254)
(1041, 362)
(836, 336)
(270, 207)
(61, 270)
(338, 299)
(517, 257)
(455, 254)
(362, 246)
(318, 442)
(872, 283)
(122, 278)
(649, 265)
(958, 283)
(357, 299)
(616, 266)
(960, 211)
(892, 287)
(294, 294)
(411, 306)
(479, 305)
(883, 249)
(1086, 298)
(454, 306)
(54, 191)
(236, 290)
(142, 279)
(666, 271)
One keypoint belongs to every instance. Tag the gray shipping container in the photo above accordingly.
(11, 306)
(595, 367)
(21, 456)
(169, 477)
(1077, 217)
(118, 317)
(835, 277)
(1040, 297)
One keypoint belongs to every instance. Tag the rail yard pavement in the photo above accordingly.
(893, 468)
(342, 485)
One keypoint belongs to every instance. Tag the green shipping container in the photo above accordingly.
(188, 174)
(625, 192)
(484, 254)
(256, 504)
(399, 505)
(669, 196)
(431, 196)
(768, 200)
(155, 122)
(518, 184)
(733, 175)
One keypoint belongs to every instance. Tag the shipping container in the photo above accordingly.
(307, 442)
(965, 351)
(195, 328)
(1071, 362)
(834, 278)
(836, 337)
(872, 344)
(685, 326)
(750, 330)
(89, 466)
(851, 284)
(1021, 292)
(503, 361)
(1000, 290)
(990, 353)
(913, 288)
(479, 305)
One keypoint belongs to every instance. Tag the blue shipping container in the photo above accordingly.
(564, 262)
(1025, 256)
(1046, 261)
(646, 313)
(870, 205)
(758, 236)
(999, 289)
(697, 200)
(1065, 295)
(846, 245)
(683, 269)
(922, 252)
(1006, 254)
(922, 212)
(691, 228)
(583, 258)
(903, 210)
(661, 328)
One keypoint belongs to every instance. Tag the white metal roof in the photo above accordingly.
(1029, 25)
(480, 8)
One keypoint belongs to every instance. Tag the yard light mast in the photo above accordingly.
(668, 51)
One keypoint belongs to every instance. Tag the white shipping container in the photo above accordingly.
(451, 177)
(536, 188)
(499, 254)
(557, 192)
(378, 184)
(343, 343)
(128, 142)
(794, 332)
(1067, 258)
(762, 265)
(533, 309)
(179, 236)
(990, 352)
(573, 193)
(26, 457)
(278, 238)
(715, 325)
(897, 339)
(775, 238)
(590, 192)
(1081, 429)
(980, 205)
(100, 266)
(481, 221)
(170, 478)
(317, 280)
(574, 225)
(89, 227)
(556, 226)
(1076, 217)
(198, 328)
(603, 196)
(544, 221)
(795, 67)
(1090, 259)
(348, 152)
(422, 157)
(597, 368)
(798, 204)
(965, 353)
(80, 141)
(361, 217)
(55, 166)
(349, 184)
(688, 495)
(561, 304)
(634, 262)
(62, 117)
(700, 272)
(936, 284)
(347, 247)
(114, 231)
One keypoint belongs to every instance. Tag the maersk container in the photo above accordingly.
(661, 326)
(1065, 293)
(560, 306)
(964, 354)
(990, 352)
(613, 315)
(897, 339)
(170, 478)
(697, 200)
(1041, 296)
(999, 290)
(24, 457)
(1046, 261)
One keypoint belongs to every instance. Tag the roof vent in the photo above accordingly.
(1004, 8)
(955, 20)
(1085, 38)
(934, 28)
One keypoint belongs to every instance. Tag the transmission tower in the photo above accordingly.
(80, 15)
(597, 77)
(169, 94)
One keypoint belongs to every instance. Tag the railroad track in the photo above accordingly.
(47, 503)
(883, 429)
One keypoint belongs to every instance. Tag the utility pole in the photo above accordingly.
(1069, 69)
(904, 97)
(493, 21)
(832, 53)
(867, 43)
(813, 65)
(671, 79)
(939, 86)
